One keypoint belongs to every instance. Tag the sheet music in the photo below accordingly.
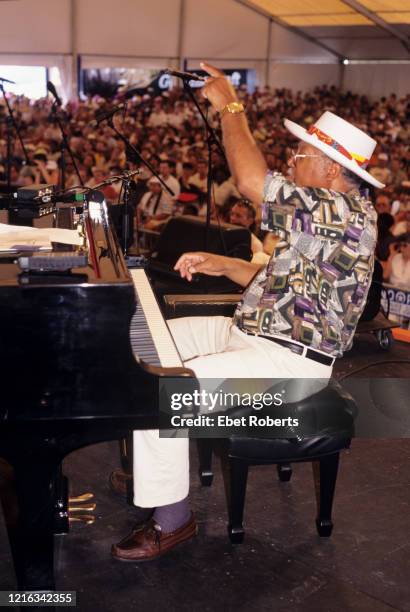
(18, 237)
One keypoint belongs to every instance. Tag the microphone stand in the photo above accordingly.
(64, 147)
(12, 123)
(211, 138)
(138, 157)
(9, 128)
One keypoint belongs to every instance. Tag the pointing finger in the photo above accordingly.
(214, 72)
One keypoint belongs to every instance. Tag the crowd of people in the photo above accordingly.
(169, 133)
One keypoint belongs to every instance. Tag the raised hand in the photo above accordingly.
(217, 89)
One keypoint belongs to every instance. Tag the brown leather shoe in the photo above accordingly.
(150, 543)
(118, 481)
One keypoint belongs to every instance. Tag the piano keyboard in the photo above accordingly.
(150, 337)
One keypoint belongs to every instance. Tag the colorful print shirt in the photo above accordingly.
(314, 288)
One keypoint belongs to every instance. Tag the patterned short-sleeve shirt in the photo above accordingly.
(314, 288)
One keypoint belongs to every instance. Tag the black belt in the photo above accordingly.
(296, 348)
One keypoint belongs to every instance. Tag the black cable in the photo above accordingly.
(372, 365)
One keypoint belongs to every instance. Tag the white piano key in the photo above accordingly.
(150, 337)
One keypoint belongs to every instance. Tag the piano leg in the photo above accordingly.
(126, 454)
(120, 479)
(31, 532)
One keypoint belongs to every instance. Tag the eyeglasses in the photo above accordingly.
(306, 155)
(295, 156)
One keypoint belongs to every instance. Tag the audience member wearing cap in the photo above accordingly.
(151, 202)
(381, 171)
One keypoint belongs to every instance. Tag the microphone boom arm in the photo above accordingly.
(132, 148)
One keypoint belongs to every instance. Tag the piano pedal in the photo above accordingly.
(78, 499)
(89, 508)
(87, 519)
(81, 504)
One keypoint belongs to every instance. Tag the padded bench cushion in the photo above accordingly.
(329, 417)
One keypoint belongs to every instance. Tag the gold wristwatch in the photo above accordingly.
(233, 108)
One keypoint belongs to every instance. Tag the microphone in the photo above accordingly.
(7, 81)
(107, 115)
(51, 88)
(185, 76)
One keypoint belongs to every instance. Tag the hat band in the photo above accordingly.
(360, 161)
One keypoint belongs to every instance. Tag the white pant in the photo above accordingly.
(215, 349)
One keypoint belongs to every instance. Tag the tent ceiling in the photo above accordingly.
(365, 29)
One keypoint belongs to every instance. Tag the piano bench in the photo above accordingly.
(200, 305)
(331, 411)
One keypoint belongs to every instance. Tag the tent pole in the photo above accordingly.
(74, 50)
(342, 74)
(268, 54)
(181, 32)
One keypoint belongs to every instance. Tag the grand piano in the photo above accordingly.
(82, 350)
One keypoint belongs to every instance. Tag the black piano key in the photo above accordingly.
(141, 340)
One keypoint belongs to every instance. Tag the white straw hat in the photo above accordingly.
(341, 141)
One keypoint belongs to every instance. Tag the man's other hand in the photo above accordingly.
(206, 263)
(217, 89)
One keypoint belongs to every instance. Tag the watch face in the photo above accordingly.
(235, 107)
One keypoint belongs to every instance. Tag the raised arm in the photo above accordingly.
(246, 162)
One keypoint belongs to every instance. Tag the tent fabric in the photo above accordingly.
(346, 27)
(230, 33)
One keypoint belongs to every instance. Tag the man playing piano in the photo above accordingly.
(297, 314)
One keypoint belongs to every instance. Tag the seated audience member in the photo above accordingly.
(396, 270)
(381, 172)
(15, 178)
(98, 176)
(402, 223)
(45, 170)
(399, 175)
(27, 177)
(201, 177)
(172, 182)
(158, 116)
(185, 182)
(243, 213)
(223, 187)
(382, 203)
(152, 202)
(385, 222)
